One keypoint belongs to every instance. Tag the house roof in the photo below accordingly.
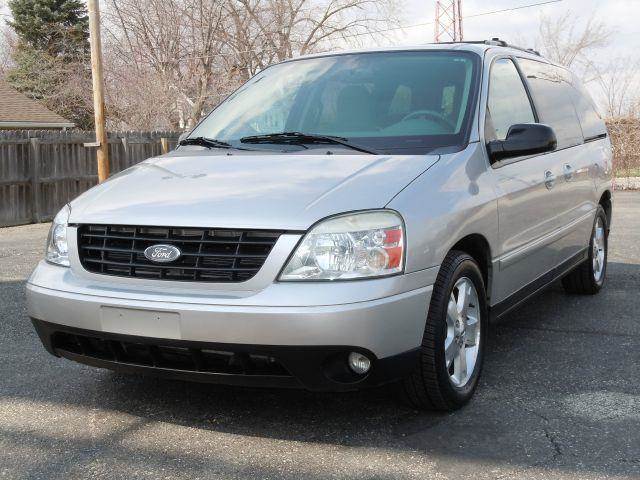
(19, 111)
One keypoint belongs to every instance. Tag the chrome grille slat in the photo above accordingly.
(159, 240)
(208, 254)
(141, 252)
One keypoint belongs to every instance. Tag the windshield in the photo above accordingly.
(403, 102)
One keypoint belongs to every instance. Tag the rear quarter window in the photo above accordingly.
(553, 96)
(593, 125)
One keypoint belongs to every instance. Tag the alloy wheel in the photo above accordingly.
(462, 342)
(598, 246)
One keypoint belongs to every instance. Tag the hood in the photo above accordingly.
(284, 191)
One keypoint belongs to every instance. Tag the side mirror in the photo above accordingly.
(523, 139)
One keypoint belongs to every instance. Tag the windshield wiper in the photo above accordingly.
(205, 142)
(299, 138)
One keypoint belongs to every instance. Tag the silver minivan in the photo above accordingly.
(341, 221)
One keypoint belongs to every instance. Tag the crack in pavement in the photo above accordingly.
(553, 441)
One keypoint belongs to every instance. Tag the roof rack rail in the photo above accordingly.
(501, 43)
(497, 43)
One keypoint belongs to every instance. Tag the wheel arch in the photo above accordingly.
(477, 247)
(607, 205)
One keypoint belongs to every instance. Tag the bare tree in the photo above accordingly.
(284, 28)
(571, 41)
(625, 137)
(193, 53)
(7, 42)
(168, 45)
(618, 81)
(565, 40)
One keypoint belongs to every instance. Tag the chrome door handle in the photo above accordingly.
(568, 172)
(549, 179)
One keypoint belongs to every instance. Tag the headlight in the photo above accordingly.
(359, 245)
(57, 246)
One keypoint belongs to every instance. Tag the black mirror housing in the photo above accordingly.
(523, 139)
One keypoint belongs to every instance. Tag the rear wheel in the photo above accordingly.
(588, 277)
(453, 343)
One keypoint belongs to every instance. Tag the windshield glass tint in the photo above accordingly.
(409, 102)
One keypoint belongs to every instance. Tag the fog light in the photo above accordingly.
(359, 363)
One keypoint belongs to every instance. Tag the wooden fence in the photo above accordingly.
(41, 171)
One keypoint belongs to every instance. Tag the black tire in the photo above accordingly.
(429, 386)
(582, 280)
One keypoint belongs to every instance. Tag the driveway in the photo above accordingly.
(559, 398)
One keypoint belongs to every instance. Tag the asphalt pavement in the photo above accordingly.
(559, 398)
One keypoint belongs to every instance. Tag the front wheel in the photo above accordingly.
(453, 343)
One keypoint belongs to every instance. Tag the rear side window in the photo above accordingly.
(508, 103)
(592, 124)
(553, 96)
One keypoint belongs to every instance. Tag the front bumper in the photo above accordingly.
(319, 368)
(301, 326)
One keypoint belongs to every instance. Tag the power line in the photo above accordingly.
(481, 14)
(514, 8)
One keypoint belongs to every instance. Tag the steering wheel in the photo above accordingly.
(430, 114)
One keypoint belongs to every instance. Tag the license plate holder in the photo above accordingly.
(140, 322)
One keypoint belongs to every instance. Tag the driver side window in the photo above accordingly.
(508, 103)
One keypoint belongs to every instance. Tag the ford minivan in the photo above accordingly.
(341, 221)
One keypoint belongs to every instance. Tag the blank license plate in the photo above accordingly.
(146, 323)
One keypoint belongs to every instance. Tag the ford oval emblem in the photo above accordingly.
(162, 253)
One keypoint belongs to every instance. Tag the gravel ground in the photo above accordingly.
(559, 398)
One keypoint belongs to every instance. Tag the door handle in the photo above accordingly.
(568, 172)
(549, 179)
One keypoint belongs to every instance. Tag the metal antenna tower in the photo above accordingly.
(448, 24)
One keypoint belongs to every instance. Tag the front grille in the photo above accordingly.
(188, 359)
(208, 254)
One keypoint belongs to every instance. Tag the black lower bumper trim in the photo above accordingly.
(319, 368)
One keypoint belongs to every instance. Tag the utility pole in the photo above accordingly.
(102, 143)
(448, 24)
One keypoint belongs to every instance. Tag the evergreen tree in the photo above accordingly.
(51, 58)
(55, 27)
